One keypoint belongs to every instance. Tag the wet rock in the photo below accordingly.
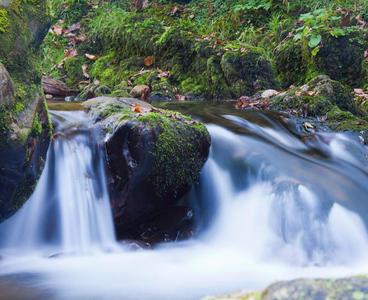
(6, 87)
(269, 94)
(153, 158)
(316, 98)
(141, 92)
(333, 91)
(309, 289)
(93, 90)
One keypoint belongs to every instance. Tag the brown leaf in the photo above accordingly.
(91, 56)
(85, 69)
(81, 38)
(74, 27)
(163, 74)
(148, 61)
(360, 21)
(71, 52)
(57, 29)
(137, 108)
(174, 11)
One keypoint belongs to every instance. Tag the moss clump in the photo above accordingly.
(341, 58)
(247, 72)
(4, 21)
(36, 126)
(177, 161)
(290, 64)
(73, 70)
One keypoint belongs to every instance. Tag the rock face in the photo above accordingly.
(308, 289)
(6, 87)
(25, 128)
(153, 157)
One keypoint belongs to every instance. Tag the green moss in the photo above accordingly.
(338, 115)
(73, 70)
(4, 21)
(177, 161)
(193, 86)
(36, 125)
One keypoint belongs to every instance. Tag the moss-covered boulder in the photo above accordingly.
(25, 127)
(341, 58)
(326, 99)
(247, 72)
(354, 288)
(153, 158)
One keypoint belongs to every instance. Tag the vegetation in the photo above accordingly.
(207, 49)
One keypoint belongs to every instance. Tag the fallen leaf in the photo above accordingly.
(361, 22)
(91, 56)
(148, 61)
(175, 10)
(163, 74)
(137, 108)
(74, 27)
(81, 38)
(71, 52)
(85, 69)
(57, 29)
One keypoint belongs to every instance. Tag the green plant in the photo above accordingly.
(314, 24)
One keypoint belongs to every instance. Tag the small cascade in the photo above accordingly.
(69, 212)
(271, 205)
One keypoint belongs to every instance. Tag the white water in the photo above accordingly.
(268, 213)
(69, 211)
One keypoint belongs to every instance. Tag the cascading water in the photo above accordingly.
(69, 211)
(271, 205)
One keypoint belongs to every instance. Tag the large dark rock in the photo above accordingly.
(25, 127)
(23, 147)
(153, 158)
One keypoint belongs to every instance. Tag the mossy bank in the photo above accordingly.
(25, 127)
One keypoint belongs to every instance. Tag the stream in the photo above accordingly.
(274, 202)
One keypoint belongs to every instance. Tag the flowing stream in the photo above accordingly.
(273, 203)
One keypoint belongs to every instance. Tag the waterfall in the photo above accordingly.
(270, 205)
(69, 212)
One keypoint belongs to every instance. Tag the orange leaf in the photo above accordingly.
(148, 61)
(137, 108)
(91, 56)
